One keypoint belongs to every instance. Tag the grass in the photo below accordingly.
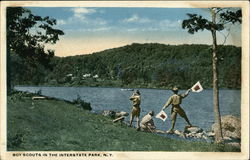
(54, 125)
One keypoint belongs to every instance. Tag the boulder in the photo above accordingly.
(190, 135)
(227, 138)
(231, 127)
(177, 132)
(114, 114)
(210, 134)
(204, 137)
(109, 113)
(180, 134)
(235, 144)
(199, 135)
(193, 129)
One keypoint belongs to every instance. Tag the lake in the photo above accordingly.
(198, 106)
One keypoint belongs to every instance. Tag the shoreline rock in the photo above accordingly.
(231, 127)
(113, 114)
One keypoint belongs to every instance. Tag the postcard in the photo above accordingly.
(83, 80)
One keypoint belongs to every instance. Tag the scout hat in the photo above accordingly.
(151, 113)
(175, 89)
(138, 92)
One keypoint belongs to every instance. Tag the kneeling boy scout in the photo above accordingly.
(175, 100)
(147, 122)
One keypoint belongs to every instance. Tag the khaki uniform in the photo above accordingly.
(136, 99)
(176, 100)
(135, 112)
(147, 123)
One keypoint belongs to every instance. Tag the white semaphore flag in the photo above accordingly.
(197, 87)
(162, 115)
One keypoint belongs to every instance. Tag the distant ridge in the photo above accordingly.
(148, 65)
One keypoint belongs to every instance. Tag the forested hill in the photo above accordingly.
(148, 65)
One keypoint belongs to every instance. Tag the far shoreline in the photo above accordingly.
(125, 87)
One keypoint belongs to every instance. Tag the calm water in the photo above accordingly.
(198, 106)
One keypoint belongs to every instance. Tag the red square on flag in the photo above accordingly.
(196, 87)
(162, 116)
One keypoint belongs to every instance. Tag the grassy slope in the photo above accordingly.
(56, 125)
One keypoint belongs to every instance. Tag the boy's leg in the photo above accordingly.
(138, 122)
(173, 119)
(183, 115)
(131, 119)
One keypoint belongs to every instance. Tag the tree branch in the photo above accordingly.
(225, 36)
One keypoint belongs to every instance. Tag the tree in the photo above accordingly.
(27, 35)
(196, 23)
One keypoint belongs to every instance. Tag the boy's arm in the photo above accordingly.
(167, 103)
(185, 94)
(132, 97)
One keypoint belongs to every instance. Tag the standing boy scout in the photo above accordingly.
(175, 100)
(136, 100)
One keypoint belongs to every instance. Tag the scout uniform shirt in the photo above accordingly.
(175, 100)
(147, 120)
(136, 99)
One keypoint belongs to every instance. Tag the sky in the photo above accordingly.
(92, 29)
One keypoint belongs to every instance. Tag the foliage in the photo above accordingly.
(81, 103)
(140, 65)
(149, 65)
(195, 22)
(231, 16)
(27, 35)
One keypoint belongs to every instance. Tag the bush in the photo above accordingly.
(82, 104)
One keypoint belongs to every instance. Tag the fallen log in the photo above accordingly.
(119, 119)
(38, 98)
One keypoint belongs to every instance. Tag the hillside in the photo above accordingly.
(54, 125)
(149, 65)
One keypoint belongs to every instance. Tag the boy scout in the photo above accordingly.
(175, 100)
(136, 100)
(147, 122)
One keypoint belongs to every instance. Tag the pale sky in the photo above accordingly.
(89, 30)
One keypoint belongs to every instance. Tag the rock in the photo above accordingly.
(193, 129)
(180, 134)
(227, 138)
(210, 134)
(177, 132)
(109, 113)
(114, 114)
(190, 135)
(234, 144)
(183, 135)
(199, 135)
(231, 127)
(204, 137)
(170, 132)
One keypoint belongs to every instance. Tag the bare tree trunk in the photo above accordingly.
(217, 116)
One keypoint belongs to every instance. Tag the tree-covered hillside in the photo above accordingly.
(145, 65)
